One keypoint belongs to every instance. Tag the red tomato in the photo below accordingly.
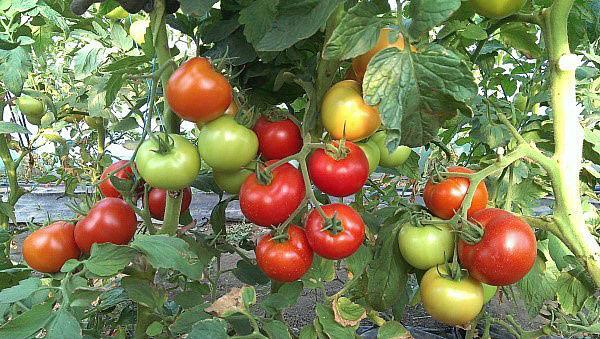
(277, 139)
(106, 187)
(271, 204)
(109, 220)
(332, 245)
(506, 252)
(196, 92)
(47, 249)
(339, 177)
(284, 260)
(157, 199)
(444, 198)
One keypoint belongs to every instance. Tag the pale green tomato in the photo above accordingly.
(372, 152)
(396, 158)
(231, 182)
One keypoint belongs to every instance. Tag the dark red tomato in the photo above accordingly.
(106, 187)
(277, 139)
(47, 249)
(284, 260)
(335, 244)
(109, 220)
(270, 205)
(339, 177)
(506, 252)
(444, 198)
(198, 93)
(157, 199)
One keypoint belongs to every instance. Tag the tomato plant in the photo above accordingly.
(111, 220)
(157, 199)
(277, 139)
(341, 170)
(338, 236)
(497, 8)
(48, 248)
(284, 260)
(426, 246)
(505, 253)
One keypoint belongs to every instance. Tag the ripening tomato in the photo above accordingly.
(339, 175)
(109, 220)
(443, 199)
(284, 260)
(231, 182)
(497, 9)
(157, 200)
(271, 204)
(342, 239)
(506, 252)
(344, 112)
(196, 92)
(227, 146)
(277, 139)
(171, 170)
(106, 187)
(387, 159)
(30, 106)
(47, 249)
(372, 152)
(359, 64)
(449, 301)
(426, 246)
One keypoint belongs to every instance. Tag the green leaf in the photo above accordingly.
(209, 328)
(536, 287)
(87, 60)
(276, 329)
(120, 38)
(517, 35)
(348, 313)
(112, 88)
(217, 217)
(164, 251)
(391, 330)
(410, 168)
(258, 18)
(416, 92)
(388, 271)
(193, 296)
(7, 209)
(15, 65)
(142, 291)
(126, 63)
(123, 125)
(359, 261)
(321, 271)
(248, 296)
(330, 326)
(64, 325)
(234, 47)
(474, 32)
(427, 14)
(571, 293)
(308, 332)
(154, 329)
(184, 322)
(249, 274)
(21, 291)
(108, 259)
(197, 7)
(357, 32)
(286, 296)
(28, 323)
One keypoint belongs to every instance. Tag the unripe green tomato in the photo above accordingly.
(372, 152)
(30, 106)
(137, 30)
(34, 120)
(231, 182)
(497, 9)
(425, 246)
(396, 158)
(117, 13)
(47, 119)
(489, 292)
(520, 102)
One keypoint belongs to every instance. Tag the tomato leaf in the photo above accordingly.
(286, 296)
(164, 251)
(536, 287)
(64, 325)
(393, 330)
(427, 14)
(321, 271)
(330, 326)
(359, 261)
(108, 259)
(11, 127)
(249, 273)
(308, 332)
(197, 7)
(15, 64)
(142, 292)
(21, 291)
(276, 329)
(27, 323)
(348, 313)
(517, 35)
(209, 328)
(257, 19)
(358, 31)
(410, 168)
(184, 322)
(571, 293)
(154, 329)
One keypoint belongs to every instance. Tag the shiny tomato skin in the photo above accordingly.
(47, 249)
(157, 200)
(506, 252)
(111, 220)
(231, 182)
(387, 159)
(196, 92)
(443, 199)
(341, 177)
(344, 113)
(497, 9)
(277, 139)
(372, 152)
(284, 260)
(426, 246)
(359, 64)
(340, 245)
(448, 301)
(270, 205)
(106, 187)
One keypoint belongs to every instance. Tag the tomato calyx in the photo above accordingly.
(165, 143)
(263, 174)
(337, 149)
(469, 231)
(83, 207)
(333, 225)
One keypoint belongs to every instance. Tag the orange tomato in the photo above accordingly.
(359, 64)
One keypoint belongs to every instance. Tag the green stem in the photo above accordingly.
(172, 211)
(101, 140)
(509, 190)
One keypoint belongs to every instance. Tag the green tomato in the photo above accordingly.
(30, 106)
(372, 152)
(497, 9)
(34, 120)
(520, 102)
(489, 292)
(396, 158)
(173, 170)
(231, 182)
(117, 13)
(137, 30)
(425, 246)
(227, 146)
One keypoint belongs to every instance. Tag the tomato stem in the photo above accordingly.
(172, 211)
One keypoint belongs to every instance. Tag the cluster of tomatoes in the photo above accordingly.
(503, 255)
